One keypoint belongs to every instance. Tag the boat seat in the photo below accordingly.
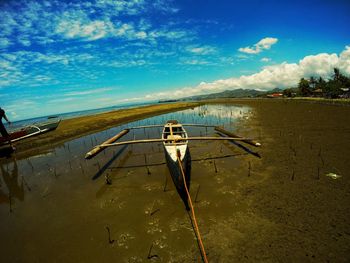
(174, 137)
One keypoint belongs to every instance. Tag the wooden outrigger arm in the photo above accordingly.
(31, 134)
(112, 141)
(109, 142)
(161, 126)
(102, 146)
(230, 134)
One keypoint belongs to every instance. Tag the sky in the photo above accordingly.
(60, 56)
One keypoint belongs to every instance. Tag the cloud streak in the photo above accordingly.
(87, 92)
(263, 44)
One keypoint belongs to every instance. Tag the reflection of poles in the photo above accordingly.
(11, 180)
(3, 197)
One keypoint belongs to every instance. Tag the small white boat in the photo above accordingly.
(177, 154)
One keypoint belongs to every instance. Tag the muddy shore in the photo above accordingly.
(294, 210)
(284, 207)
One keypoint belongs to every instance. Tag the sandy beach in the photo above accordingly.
(290, 205)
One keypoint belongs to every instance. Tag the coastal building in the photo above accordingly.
(275, 95)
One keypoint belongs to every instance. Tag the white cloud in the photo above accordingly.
(45, 22)
(87, 92)
(262, 45)
(282, 75)
(265, 59)
(195, 62)
(344, 60)
(90, 31)
(201, 50)
(61, 100)
(321, 65)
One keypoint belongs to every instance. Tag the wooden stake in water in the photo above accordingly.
(166, 183)
(108, 179)
(216, 170)
(10, 199)
(149, 256)
(148, 171)
(195, 199)
(110, 241)
(249, 168)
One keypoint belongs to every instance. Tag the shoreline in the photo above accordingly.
(73, 128)
(70, 129)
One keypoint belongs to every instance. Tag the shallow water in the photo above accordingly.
(58, 206)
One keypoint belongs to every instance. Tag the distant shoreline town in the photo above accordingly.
(337, 87)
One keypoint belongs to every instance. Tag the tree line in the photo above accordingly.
(335, 87)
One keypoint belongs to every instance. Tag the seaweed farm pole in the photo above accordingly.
(148, 171)
(195, 199)
(249, 168)
(10, 199)
(166, 183)
(216, 169)
(149, 256)
(110, 241)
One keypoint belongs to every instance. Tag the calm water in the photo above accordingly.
(58, 207)
(21, 123)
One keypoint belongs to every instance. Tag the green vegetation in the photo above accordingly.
(336, 87)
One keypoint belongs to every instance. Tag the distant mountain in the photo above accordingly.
(237, 93)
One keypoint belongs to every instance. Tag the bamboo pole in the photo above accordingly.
(30, 135)
(180, 140)
(198, 125)
(146, 126)
(104, 145)
(157, 125)
(248, 141)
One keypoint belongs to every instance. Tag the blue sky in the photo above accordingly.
(61, 56)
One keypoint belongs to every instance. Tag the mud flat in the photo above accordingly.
(294, 204)
(290, 205)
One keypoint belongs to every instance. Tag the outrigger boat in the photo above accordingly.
(175, 141)
(178, 157)
(31, 130)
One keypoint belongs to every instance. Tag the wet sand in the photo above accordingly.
(278, 208)
(291, 211)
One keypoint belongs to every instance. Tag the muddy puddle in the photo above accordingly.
(122, 206)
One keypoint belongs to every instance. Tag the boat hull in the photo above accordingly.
(33, 129)
(176, 175)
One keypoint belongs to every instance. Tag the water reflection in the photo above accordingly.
(14, 188)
